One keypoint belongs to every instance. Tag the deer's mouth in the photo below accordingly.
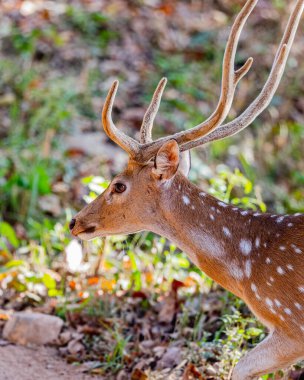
(89, 233)
(85, 231)
(89, 230)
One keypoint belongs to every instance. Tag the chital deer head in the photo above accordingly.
(258, 257)
(120, 209)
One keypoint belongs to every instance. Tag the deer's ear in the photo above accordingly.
(167, 160)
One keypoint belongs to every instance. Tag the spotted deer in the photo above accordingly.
(257, 256)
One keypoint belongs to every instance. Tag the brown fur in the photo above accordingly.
(257, 257)
(152, 203)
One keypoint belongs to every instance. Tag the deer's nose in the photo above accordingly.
(72, 224)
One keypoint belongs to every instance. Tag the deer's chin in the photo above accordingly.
(99, 233)
(91, 235)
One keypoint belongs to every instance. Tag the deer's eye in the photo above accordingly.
(119, 187)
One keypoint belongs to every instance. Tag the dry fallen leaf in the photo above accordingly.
(138, 374)
(168, 309)
(192, 373)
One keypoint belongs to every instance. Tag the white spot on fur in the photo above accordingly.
(248, 268)
(186, 200)
(257, 214)
(245, 247)
(212, 217)
(301, 288)
(235, 270)
(227, 231)
(296, 249)
(268, 260)
(257, 242)
(269, 302)
(282, 248)
(290, 267)
(298, 306)
(287, 311)
(222, 204)
(280, 219)
(193, 208)
(278, 303)
(271, 279)
(282, 318)
(244, 212)
(255, 290)
(202, 194)
(280, 270)
(289, 224)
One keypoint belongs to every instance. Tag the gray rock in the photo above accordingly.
(32, 328)
(170, 359)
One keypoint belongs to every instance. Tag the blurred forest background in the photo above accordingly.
(134, 307)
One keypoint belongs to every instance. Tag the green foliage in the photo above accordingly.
(96, 186)
(25, 43)
(239, 332)
(30, 277)
(227, 185)
(93, 26)
(115, 358)
(31, 138)
(7, 236)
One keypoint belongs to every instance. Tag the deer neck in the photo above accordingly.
(206, 229)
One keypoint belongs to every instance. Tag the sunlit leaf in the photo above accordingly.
(11, 265)
(254, 331)
(49, 281)
(7, 231)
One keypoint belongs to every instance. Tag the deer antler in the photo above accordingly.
(128, 144)
(230, 79)
(147, 124)
(210, 129)
(269, 89)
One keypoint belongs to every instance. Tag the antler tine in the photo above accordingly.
(147, 124)
(125, 142)
(269, 89)
(230, 79)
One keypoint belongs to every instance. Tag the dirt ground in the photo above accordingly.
(23, 363)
